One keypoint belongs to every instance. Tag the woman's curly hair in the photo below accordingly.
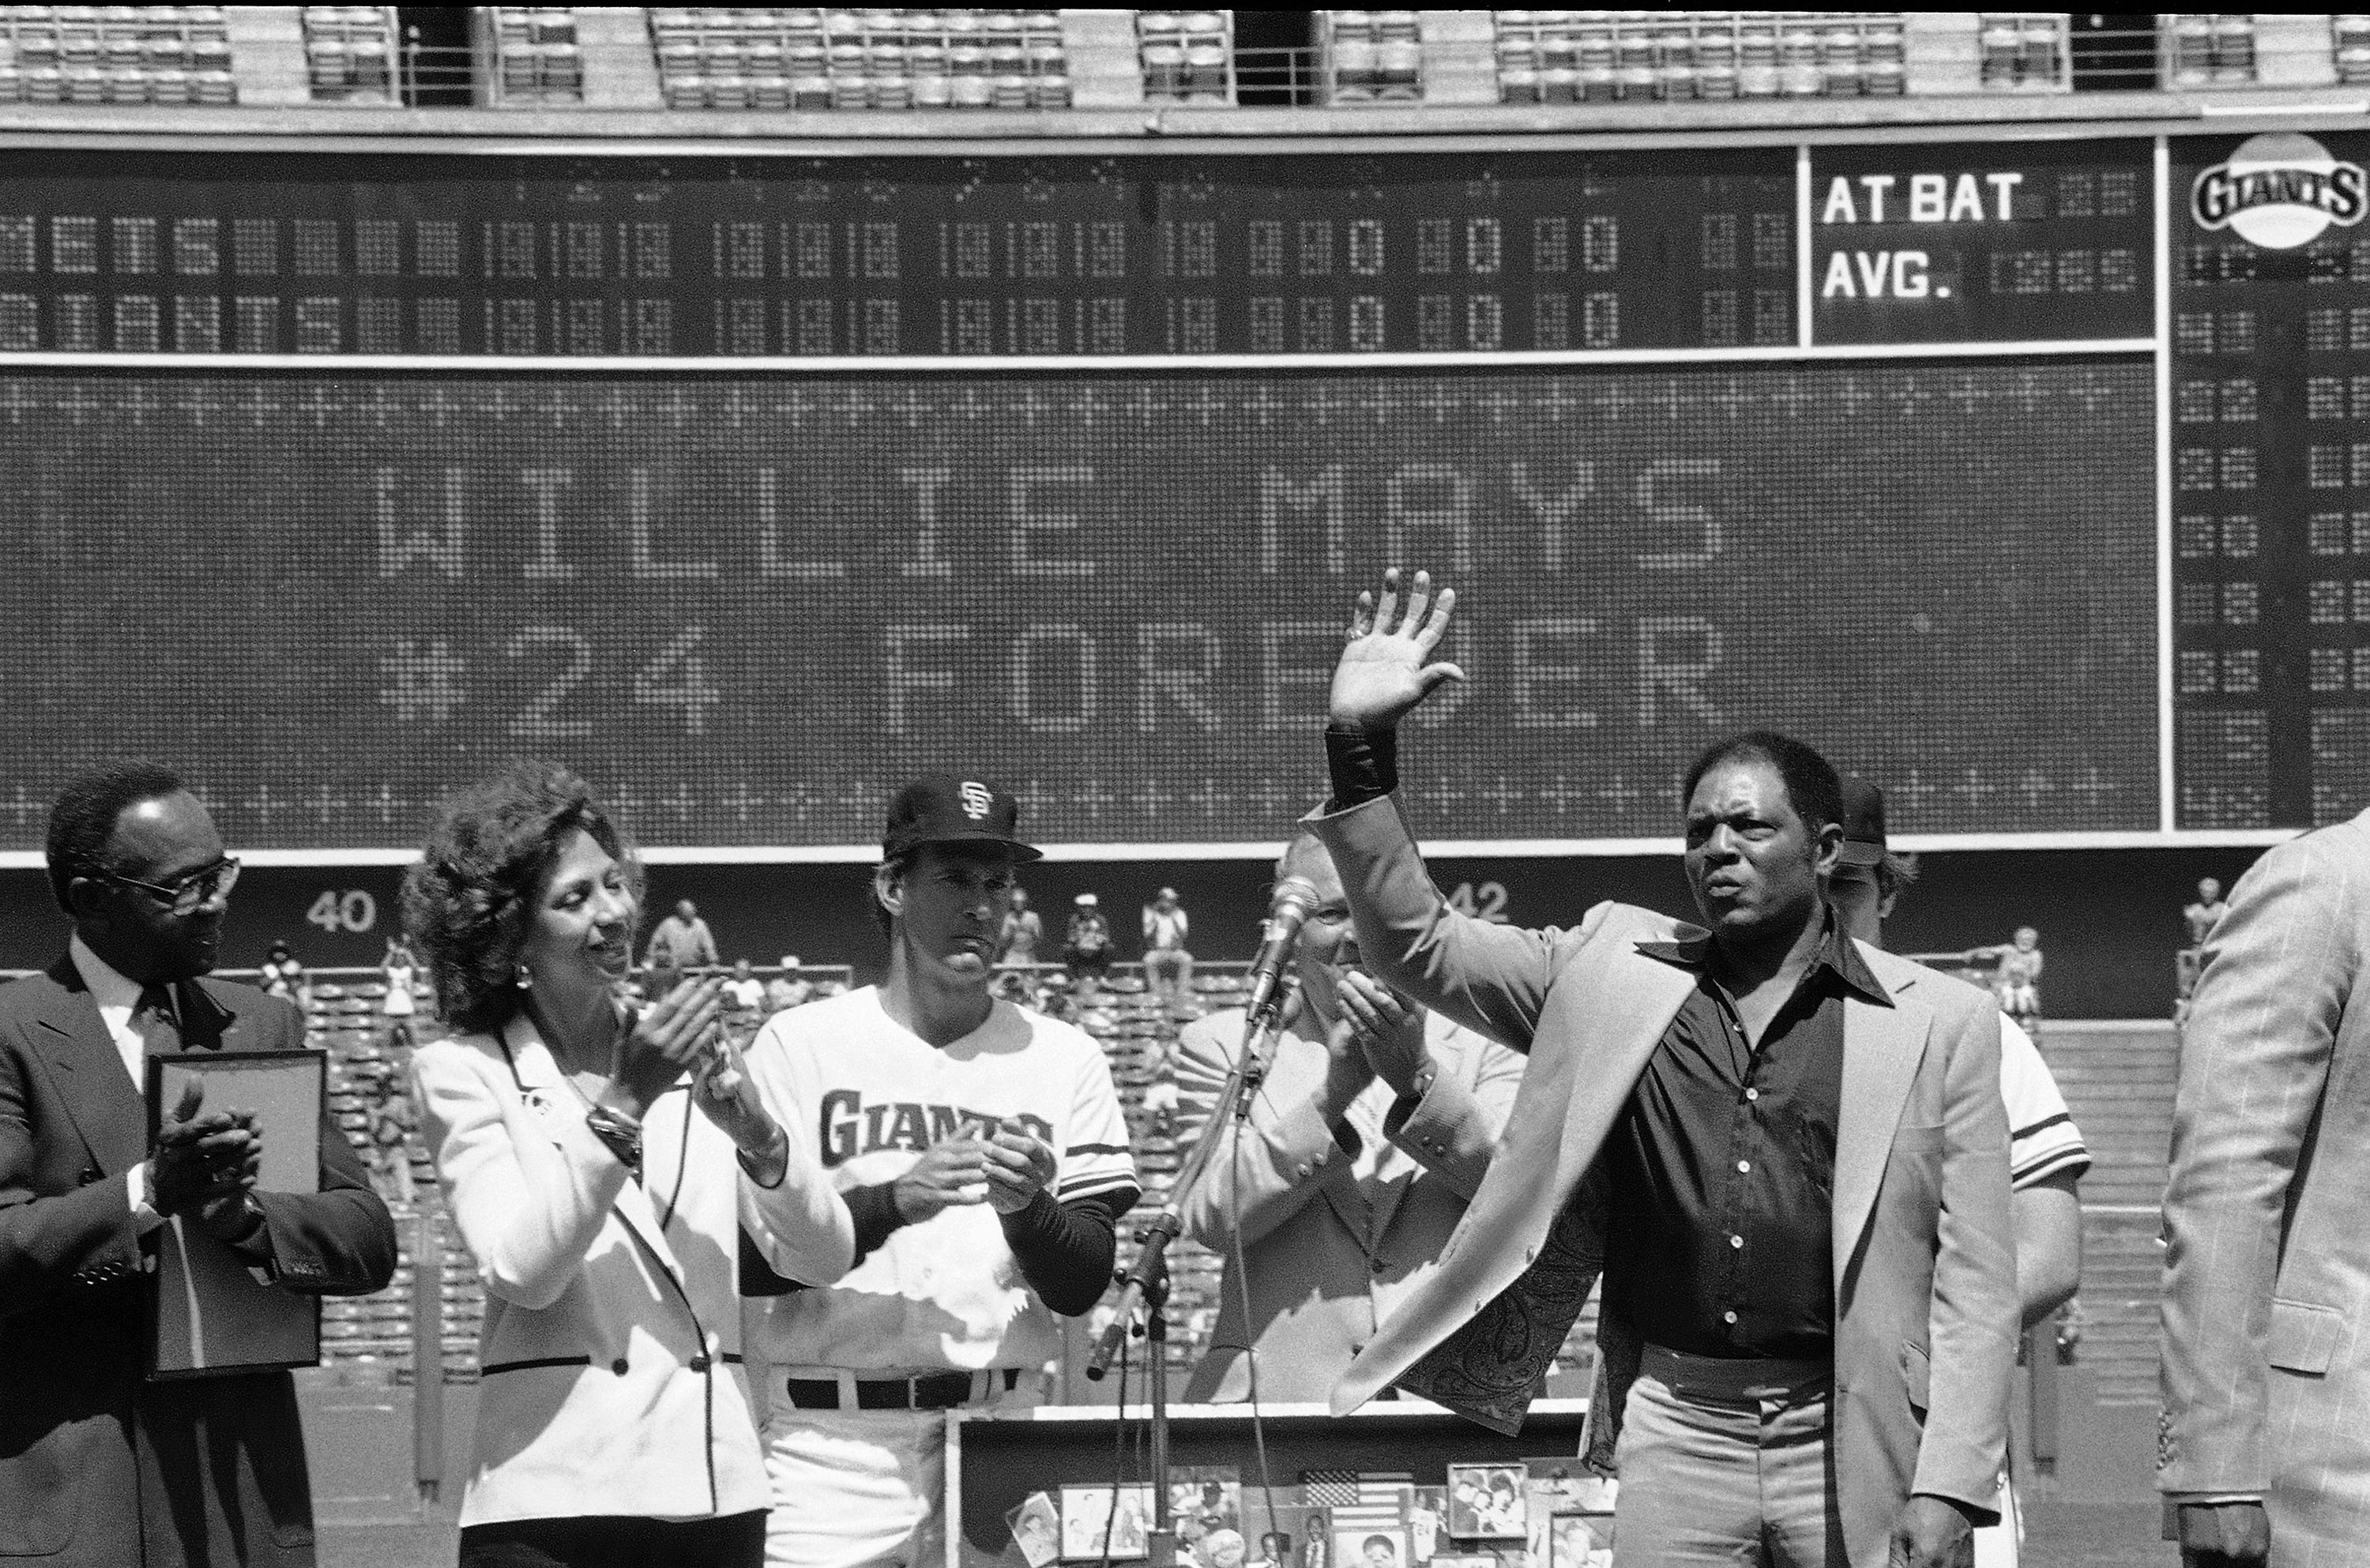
(469, 901)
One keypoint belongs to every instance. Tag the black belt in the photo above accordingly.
(933, 1390)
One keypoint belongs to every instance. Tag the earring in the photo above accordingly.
(525, 981)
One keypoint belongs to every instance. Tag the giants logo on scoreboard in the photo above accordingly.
(2279, 191)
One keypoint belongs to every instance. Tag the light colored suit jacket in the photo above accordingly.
(2267, 1267)
(1924, 1260)
(1329, 1250)
(612, 1312)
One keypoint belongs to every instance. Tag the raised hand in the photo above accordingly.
(721, 1087)
(1386, 668)
(664, 1041)
(1389, 1029)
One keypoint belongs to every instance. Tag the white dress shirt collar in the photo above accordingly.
(118, 997)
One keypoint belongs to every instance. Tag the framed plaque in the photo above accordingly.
(212, 1314)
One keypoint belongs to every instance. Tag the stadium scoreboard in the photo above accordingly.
(752, 483)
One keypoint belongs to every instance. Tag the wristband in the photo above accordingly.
(1364, 764)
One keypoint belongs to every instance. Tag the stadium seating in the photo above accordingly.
(350, 53)
(115, 54)
(799, 58)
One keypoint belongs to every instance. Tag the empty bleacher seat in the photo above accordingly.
(1668, 56)
(798, 58)
(1185, 56)
(115, 54)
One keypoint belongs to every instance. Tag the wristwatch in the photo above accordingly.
(1421, 1085)
(620, 1132)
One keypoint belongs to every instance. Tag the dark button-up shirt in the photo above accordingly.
(1722, 1167)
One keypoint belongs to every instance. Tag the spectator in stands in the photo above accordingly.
(1086, 948)
(1023, 929)
(2046, 1154)
(985, 1156)
(100, 1466)
(400, 970)
(282, 975)
(744, 992)
(599, 1162)
(681, 940)
(2262, 1446)
(1168, 967)
(789, 988)
(2017, 982)
(391, 1123)
(1804, 1353)
(1370, 1138)
(2204, 914)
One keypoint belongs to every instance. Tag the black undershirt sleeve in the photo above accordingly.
(1066, 1250)
(1364, 765)
(874, 1210)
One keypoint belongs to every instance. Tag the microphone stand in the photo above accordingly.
(1146, 1284)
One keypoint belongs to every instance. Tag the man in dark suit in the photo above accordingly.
(98, 1465)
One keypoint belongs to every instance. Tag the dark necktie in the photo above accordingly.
(155, 1022)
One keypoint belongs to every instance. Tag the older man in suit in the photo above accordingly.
(2263, 1449)
(100, 1467)
(1360, 1153)
(1784, 1150)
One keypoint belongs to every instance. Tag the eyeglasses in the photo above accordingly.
(191, 892)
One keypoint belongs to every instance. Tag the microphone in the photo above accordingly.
(1294, 897)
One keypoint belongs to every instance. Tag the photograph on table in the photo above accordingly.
(1037, 1529)
(1098, 1527)
(1485, 1501)
(1579, 1541)
(1206, 1498)
(1366, 1546)
(1557, 1487)
(1427, 1522)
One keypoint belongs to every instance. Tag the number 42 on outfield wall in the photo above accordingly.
(425, 681)
(1483, 901)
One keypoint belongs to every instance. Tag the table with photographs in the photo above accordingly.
(1401, 1483)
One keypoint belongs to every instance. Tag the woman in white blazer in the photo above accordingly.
(601, 1191)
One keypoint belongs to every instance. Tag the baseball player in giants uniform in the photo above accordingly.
(983, 1157)
(2046, 1154)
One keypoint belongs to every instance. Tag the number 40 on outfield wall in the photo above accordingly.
(353, 910)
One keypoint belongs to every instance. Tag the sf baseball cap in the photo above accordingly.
(1863, 823)
(939, 807)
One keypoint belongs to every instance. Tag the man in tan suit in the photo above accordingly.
(1370, 1137)
(2264, 1447)
(1784, 1150)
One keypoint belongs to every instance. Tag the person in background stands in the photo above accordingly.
(400, 970)
(744, 992)
(787, 989)
(1168, 967)
(1023, 929)
(983, 1153)
(602, 1164)
(1804, 1353)
(280, 974)
(682, 941)
(2046, 1154)
(2263, 1449)
(1086, 948)
(1369, 1139)
(2017, 982)
(392, 1120)
(99, 1467)
(2206, 913)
